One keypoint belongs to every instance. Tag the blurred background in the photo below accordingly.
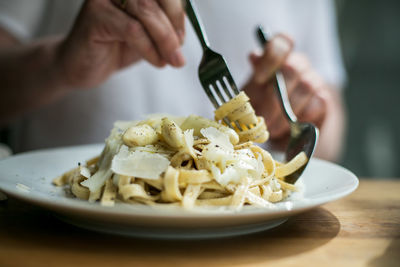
(370, 36)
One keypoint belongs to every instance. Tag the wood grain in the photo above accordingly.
(362, 229)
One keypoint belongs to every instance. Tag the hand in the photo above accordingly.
(111, 34)
(308, 93)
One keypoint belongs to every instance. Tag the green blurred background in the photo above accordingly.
(370, 36)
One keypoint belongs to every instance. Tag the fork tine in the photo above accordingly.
(238, 126)
(228, 122)
(226, 88)
(221, 98)
(232, 84)
(211, 96)
(213, 69)
(218, 92)
(230, 96)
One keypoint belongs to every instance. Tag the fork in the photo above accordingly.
(214, 73)
(303, 135)
(220, 87)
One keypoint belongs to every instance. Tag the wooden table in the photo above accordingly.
(362, 229)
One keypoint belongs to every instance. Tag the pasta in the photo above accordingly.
(188, 162)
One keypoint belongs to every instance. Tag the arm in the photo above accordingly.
(105, 38)
(29, 77)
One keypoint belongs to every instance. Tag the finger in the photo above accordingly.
(316, 109)
(264, 100)
(303, 92)
(253, 90)
(275, 53)
(128, 55)
(141, 41)
(160, 29)
(299, 99)
(277, 122)
(131, 31)
(293, 68)
(269, 106)
(255, 57)
(174, 10)
(273, 111)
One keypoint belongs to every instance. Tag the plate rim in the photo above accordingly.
(59, 204)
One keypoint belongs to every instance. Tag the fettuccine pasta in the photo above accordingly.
(189, 162)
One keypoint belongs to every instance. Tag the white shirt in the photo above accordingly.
(87, 116)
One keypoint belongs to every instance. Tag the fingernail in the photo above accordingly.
(177, 59)
(254, 57)
(281, 46)
(181, 36)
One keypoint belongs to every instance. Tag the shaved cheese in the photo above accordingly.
(96, 181)
(275, 185)
(217, 155)
(85, 172)
(230, 175)
(188, 143)
(246, 159)
(139, 164)
(197, 123)
(216, 173)
(226, 164)
(217, 137)
(260, 168)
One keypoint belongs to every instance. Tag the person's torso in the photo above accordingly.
(87, 116)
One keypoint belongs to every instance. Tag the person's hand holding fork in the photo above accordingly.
(311, 97)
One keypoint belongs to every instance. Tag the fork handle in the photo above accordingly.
(197, 24)
(279, 82)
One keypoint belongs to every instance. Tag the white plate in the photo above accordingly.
(322, 182)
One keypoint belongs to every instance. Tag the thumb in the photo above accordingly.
(255, 57)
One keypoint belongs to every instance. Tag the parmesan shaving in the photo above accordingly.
(139, 164)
